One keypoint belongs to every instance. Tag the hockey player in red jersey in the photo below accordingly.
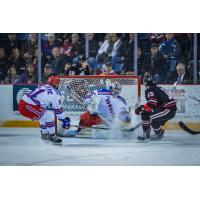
(41, 104)
(160, 108)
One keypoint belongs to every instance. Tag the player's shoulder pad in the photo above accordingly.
(122, 99)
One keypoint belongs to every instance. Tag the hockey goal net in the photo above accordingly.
(74, 89)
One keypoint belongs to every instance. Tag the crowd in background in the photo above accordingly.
(164, 55)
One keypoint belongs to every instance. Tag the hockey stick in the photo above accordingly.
(134, 128)
(187, 129)
(190, 97)
(126, 130)
(185, 95)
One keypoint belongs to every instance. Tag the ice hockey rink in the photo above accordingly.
(23, 147)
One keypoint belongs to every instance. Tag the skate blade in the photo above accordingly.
(156, 138)
(54, 143)
(143, 141)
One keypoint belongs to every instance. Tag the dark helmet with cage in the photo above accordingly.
(148, 79)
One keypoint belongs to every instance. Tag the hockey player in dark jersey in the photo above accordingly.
(160, 108)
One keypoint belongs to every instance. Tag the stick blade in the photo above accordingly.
(187, 129)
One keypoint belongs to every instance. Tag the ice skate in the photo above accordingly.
(55, 139)
(145, 137)
(157, 136)
(44, 136)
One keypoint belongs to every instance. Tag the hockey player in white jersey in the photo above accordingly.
(41, 104)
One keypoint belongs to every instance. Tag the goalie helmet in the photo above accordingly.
(148, 79)
(54, 81)
(115, 88)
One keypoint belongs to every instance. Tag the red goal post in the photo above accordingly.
(74, 88)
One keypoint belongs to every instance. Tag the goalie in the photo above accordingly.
(104, 107)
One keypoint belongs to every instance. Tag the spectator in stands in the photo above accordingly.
(105, 50)
(107, 70)
(11, 43)
(84, 68)
(49, 45)
(181, 76)
(77, 47)
(66, 48)
(47, 72)
(129, 55)
(12, 77)
(141, 63)
(156, 38)
(3, 64)
(62, 37)
(93, 51)
(22, 37)
(17, 60)
(71, 70)
(171, 52)
(30, 47)
(157, 64)
(110, 51)
(117, 53)
(67, 67)
(29, 76)
(59, 61)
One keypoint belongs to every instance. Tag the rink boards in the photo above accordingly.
(188, 109)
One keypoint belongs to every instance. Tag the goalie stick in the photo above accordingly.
(187, 129)
(75, 133)
(127, 130)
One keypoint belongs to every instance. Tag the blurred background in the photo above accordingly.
(32, 57)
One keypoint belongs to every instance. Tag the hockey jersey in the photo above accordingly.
(109, 105)
(47, 97)
(157, 97)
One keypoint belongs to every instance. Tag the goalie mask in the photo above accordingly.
(115, 88)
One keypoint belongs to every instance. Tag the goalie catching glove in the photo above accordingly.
(66, 123)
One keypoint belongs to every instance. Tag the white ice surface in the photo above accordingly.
(23, 146)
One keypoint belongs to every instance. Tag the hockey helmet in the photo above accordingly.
(148, 79)
(115, 87)
(53, 80)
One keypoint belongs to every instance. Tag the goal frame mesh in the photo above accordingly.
(77, 87)
(113, 78)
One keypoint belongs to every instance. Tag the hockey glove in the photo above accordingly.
(66, 123)
(139, 109)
